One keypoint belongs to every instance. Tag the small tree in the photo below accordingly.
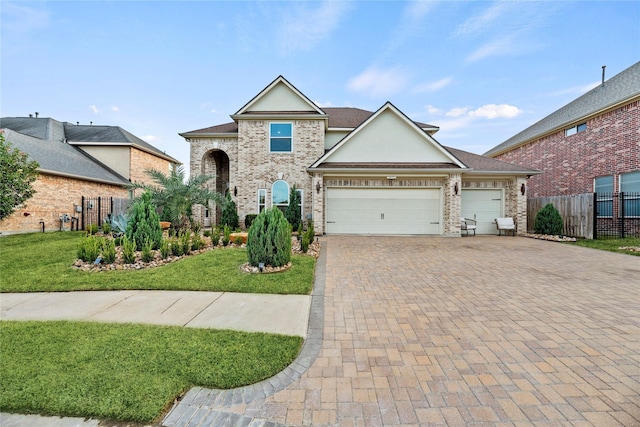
(17, 174)
(548, 221)
(269, 239)
(292, 213)
(144, 223)
(229, 213)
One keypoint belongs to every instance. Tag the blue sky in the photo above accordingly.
(482, 71)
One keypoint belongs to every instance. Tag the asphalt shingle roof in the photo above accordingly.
(55, 156)
(623, 86)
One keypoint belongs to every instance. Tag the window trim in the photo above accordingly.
(272, 137)
(286, 203)
(636, 194)
(300, 192)
(608, 199)
(573, 130)
(263, 192)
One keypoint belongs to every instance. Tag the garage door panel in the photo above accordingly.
(383, 211)
(485, 206)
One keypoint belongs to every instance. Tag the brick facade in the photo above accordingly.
(55, 196)
(609, 146)
(140, 161)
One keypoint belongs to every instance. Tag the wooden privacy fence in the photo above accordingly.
(576, 210)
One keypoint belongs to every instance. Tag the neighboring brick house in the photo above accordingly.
(75, 161)
(591, 144)
(358, 172)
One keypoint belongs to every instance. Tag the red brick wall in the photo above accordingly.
(55, 195)
(609, 146)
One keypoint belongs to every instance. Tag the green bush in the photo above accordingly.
(269, 239)
(144, 223)
(128, 250)
(164, 249)
(229, 213)
(292, 213)
(248, 220)
(176, 247)
(89, 249)
(196, 242)
(92, 228)
(226, 235)
(147, 251)
(548, 221)
(307, 237)
(185, 242)
(106, 228)
(108, 251)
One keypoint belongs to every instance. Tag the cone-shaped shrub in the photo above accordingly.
(144, 223)
(269, 239)
(229, 213)
(548, 221)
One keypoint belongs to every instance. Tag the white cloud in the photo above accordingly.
(457, 112)
(433, 110)
(150, 138)
(304, 27)
(477, 24)
(493, 111)
(379, 83)
(115, 109)
(434, 86)
(502, 46)
(23, 19)
(94, 109)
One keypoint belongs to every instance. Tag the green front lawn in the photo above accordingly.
(611, 245)
(42, 262)
(127, 372)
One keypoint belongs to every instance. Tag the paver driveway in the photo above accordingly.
(469, 331)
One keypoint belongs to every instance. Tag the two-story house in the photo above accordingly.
(358, 172)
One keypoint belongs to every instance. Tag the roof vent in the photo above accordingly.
(30, 116)
(37, 114)
(603, 67)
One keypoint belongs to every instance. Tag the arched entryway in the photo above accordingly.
(216, 162)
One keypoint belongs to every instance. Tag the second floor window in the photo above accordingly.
(280, 137)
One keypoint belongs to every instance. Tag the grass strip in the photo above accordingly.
(127, 372)
(41, 262)
(611, 245)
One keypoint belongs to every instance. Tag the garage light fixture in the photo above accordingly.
(391, 177)
(455, 188)
(318, 187)
(523, 189)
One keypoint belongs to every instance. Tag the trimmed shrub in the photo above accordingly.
(248, 220)
(226, 235)
(176, 247)
(292, 213)
(106, 228)
(92, 228)
(89, 249)
(147, 251)
(548, 221)
(269, 239)
(165, 250)
(144, 223)
(108, 251)
(229, 213)
(128, 250)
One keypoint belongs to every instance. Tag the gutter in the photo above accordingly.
(84, 178)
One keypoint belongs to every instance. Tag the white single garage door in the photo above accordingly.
(485, 206)
(383, 211)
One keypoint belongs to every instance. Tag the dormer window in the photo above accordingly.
(280, 137)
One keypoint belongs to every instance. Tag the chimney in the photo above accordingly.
(603, 67)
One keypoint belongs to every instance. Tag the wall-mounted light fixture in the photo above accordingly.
(391, 177)
(455, 188)
(523, 189)
(235, 191)
(318, 187)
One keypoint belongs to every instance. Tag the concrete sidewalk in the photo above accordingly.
(278, 314)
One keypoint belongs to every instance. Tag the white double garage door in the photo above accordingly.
(380, 211)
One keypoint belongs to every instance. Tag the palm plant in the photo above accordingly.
(175, 196)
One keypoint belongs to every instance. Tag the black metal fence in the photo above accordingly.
(617, 215)
(95, 210)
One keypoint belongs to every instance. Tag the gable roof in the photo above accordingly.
(442, 158)
(616, 91)
(308, 105)
(44, 143)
